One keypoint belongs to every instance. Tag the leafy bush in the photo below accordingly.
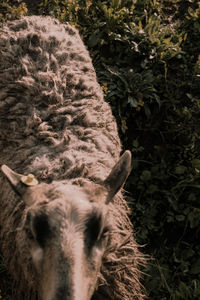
(147, 58)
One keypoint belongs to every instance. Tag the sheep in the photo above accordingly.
(65, 231)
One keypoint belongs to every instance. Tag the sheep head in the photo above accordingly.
(67, 230)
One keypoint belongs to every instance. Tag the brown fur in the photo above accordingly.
(54, 123)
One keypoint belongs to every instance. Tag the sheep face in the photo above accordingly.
(67, 234)
(66, 230)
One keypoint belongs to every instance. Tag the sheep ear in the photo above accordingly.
(14, 179)
(118, 175)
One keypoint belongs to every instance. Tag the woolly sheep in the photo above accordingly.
(65, 232)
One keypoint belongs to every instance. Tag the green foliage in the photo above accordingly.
(10, 11)
(147, 58)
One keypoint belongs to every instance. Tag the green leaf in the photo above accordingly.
(146, 175)
(194, 218)
(132, 101)
(179, 170)
(152, 189)
(135, 143)
(180, 218)
(147, 110)
(196, 163)
(93, 40)
(195, 268)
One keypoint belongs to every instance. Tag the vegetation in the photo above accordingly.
(147, 58)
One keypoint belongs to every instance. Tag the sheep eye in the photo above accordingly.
(93, 228)
(41, 229)
(37, 228)
(95, 231)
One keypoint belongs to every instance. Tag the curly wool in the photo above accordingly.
(54, 123)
